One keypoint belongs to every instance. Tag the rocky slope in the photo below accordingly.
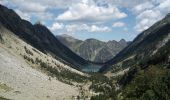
(92, 49)
(23, 75)
(39, 37)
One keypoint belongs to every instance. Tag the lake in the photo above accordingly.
(92, 68)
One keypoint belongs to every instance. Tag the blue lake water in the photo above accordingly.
(91, 68)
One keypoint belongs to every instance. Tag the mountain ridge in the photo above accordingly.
(92, 49)
(33, 35)
(144, 43)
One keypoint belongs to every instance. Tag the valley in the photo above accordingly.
(37, 65)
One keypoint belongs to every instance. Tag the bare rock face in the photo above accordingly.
(93, 49)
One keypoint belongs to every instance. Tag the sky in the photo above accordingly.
(100, 19)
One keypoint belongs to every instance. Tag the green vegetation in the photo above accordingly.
(28, 51)
(147, 80)
(103, 85)
(1, 37)
(150, 80)
(63, 75)
(161, 56)
(2, 98)
(152, 83)
(99, 97)
(28, 59)
(129, 62)
(4, 87)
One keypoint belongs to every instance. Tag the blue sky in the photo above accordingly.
(101, 19)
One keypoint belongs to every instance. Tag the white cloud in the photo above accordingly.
(118, 24)
(147, 17)
(4, 2)
(164, 7)
(73, 28)
(56, 26)
(144, 6)
(129, 3)
(85, 11)
(43, 15)
(84, 27)
(91, 12)
(30, 8)
(42, 4)
(95, 28)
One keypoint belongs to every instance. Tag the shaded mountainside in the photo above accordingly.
(92, 49)
(69, 41)
(150, 80)
(148, 61)
(144, 45)
(39, 37)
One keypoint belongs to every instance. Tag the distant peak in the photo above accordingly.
(112, 41)
(122, 40)
(65, 35)
(91, 39)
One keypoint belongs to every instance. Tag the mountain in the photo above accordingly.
(26, 73)
(69, 41)
(149, 79)
(143, 46)
(32, 68)
(142, 69)
(39, 37)
(34, 65)
(93, 49)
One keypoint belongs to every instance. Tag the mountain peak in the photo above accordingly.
(123, 41)
(91, 39)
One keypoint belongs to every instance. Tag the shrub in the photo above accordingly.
(28, 59)
(28, 51)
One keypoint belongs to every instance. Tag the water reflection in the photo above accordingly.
(91, 68)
